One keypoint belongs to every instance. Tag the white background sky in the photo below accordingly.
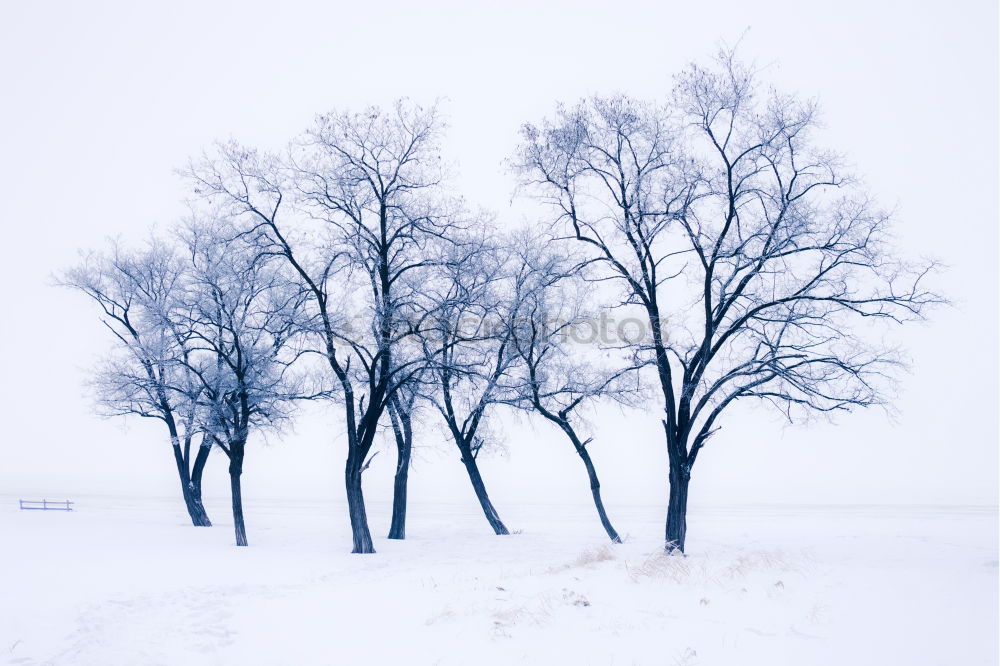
(99, 102)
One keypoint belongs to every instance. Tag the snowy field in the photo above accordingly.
(125, 581)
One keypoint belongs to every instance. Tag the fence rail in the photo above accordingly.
(45, 505)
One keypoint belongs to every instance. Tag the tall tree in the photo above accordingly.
(772, 254)
(370, 184)
(146, 374)
(558, 377)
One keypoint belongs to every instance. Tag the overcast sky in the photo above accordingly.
(102, 101)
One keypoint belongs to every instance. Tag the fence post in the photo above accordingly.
(44, 505)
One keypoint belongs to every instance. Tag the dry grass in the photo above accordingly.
(757, 561)
(675, 568)
(535, 613)
(588, 558)
(711, 569)
(446, 614)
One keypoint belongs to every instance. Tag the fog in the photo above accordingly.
(101, 102)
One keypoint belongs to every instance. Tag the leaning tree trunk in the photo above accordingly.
(195, 511)
(492, 517)
(581, 449)
(677, 507)
(595, 490)
(195, 486)
(235, 472)
(356, 505)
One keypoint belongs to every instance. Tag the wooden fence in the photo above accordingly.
(45, 505)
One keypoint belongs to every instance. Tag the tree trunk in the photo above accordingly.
(235, 472)
(397, 529)
(595, 489)
(195, 485)
(195, 512)
(356, 506)
(403, 431)
(677, 508)
(477, 484)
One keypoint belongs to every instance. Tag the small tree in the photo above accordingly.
(772, 255)
(468, 347)
(147, 375)
(558, 378)
(242, 316)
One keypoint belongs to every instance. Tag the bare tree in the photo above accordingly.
(146, 375)
(467, 344)
(371, 181)
(557, 377)
(243, 317)
(773, 255)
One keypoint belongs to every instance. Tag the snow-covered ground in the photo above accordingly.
(126, 581)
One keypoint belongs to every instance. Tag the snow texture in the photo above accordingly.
(126, 581)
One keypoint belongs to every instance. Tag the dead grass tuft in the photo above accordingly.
(537, 613)
(712, 568)
(758, 560)
(587, 558)
(593, 556)
(661, 565)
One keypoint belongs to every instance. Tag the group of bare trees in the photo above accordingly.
(207, 341)
(345, 270)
